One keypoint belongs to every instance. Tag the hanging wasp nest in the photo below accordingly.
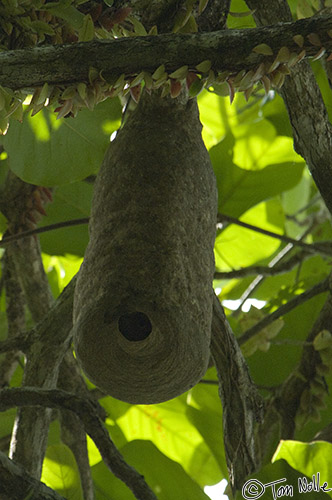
(143, 300)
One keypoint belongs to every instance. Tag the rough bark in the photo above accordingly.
(242, 404)
(52, 340)
(30, 432)
(308, 115)
(72, 429)
(15, 313)
(16, 483)
(228, 50)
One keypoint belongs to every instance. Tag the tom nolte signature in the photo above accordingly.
(254, 489)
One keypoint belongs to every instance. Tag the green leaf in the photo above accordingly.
(213, 112)
(312, 459)
(264, 49)
(304, 9)
(240, 189)
(202, 5)
(196, 87)
(208, 423)
(87, 32)
(204, 66)
(7, 422)
(257, 145)
(240, 247)
(60, 472)
(107, 486)
(167, 478)
(61, 269)
(3, 323)
(41, 28)
(239, 6)
(205, 412)
(72, 201)
(168, 427)
(284, 355)
(49, 152)
(139, 29)
(67, 12)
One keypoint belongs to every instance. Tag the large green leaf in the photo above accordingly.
(168, 426)
(258, 145)
(240, 189)
(237, 247)
(60, 270)
(214, 114)
(72, 201)
(209, 424)
(205, 413)
(167, 478)
(239, 6)
(312, 459)
(60, 472)
(274, 366)
(50, 152)
(107, 486)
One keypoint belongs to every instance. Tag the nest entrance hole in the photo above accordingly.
(135, 326)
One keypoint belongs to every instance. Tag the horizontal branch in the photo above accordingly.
(229, 50)
(88, 414)
(51, 227)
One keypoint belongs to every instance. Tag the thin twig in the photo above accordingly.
(272, 264)
(284, 267)
(321, 287)
(208, 382)
(322, 247)
(44, 229)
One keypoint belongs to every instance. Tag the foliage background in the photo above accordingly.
(178, 445)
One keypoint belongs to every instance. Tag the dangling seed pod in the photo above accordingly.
(143, 300)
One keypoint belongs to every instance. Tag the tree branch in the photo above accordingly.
(308, 115)
(16, 343)
(321, 287)
(88, 414)
(15, 479)
(72, 428)
(15, 312)
(272, 264)
(281, 268)
(38, 230)
(242, 404)
(286, 404)
(230, 50)
(29, 439)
